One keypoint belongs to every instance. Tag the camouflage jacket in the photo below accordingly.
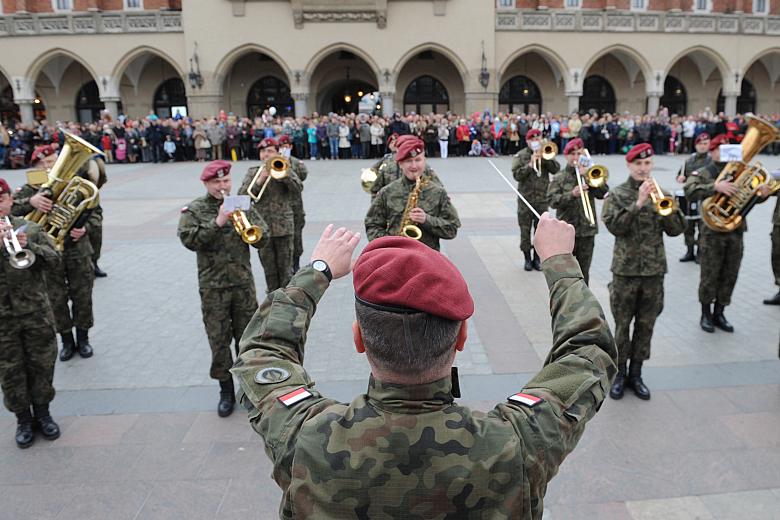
(22, 197)
(223, 258)
(300, 169)
(695, 162)
(776, 215)
(639, 232)
(276, 206)
(531, 184)
(386, 211)
(411, 451)
(23, 291)
(387, 170)
(569, 208)
(700, 185)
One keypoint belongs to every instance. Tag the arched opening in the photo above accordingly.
(255, 82)
(341, 82)
(170, 99)
(746, 102)
(268, 92)
(426, 95)
(9, 111)
(88, 104)
(764, 74)
(520, 95)
(597, 95)
(433, 64)
(60, 81)
(675, 99)
(699, 73)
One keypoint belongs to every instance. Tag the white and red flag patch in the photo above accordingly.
(526, 399)
(296, 396)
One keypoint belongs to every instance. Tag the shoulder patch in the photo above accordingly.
(294, 397)
(184, 208)
(526, 399)
(271, 375)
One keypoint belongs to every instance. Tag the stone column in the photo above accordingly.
(574, 101)
(26, 110)
(204, 105)
(387, 102)
(301, 104)
(112, 106)
(480, 101)
(653, 102)
(730, 105)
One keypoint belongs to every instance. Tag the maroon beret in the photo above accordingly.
(408, 146)
(704, 136)
(217, 169)
(400, 274)
(574, 144)
(267, 143)
(532, 134)
(284, 139)
(41, 152)
(639, 151)
(718, 140)
(4, 187)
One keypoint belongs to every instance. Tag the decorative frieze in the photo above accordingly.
(90, 23)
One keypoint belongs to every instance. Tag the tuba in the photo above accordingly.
(278, 168)
(408, 228)
(71, 194)
(725, 214)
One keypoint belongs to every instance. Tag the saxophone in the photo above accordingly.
(408, 228)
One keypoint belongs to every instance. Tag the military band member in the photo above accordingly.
(299, 215)
(95, 170)
(389, 170)
(775, 300)
(564, 195)
(27, 197)
(638, 266)
(434, 214)
(532, 174)
(697, 161)
(28, 344)
(227, 288)
(374, 457)
(276, 208)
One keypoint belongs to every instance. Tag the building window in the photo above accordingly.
(62, 5)
(520, 95)
(268, 92)
(638, 5)
(505, 4)
(426, 95)
(597, 95)
(760, 6)
(572, 4)
(702, 6)
(134, 4)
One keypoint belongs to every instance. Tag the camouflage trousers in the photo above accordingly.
(583, 252)
(527, 222)
(691, 227)
(277, 259)
(720, 255)
(96, 239)
(71, 282)
(776, 253)
(226, 312)
(300, 221)
(637, 298)
(28, 350)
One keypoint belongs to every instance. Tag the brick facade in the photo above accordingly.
(718, 6)
(45, 6)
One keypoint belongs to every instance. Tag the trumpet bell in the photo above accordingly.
(278, 167)
(411, 231)
(597, 176)
(665, 206)
(22, 259)
(249, 234)
(549, 151)
(368, 177)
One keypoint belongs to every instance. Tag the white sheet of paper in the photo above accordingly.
(730, 152)
(235, 202)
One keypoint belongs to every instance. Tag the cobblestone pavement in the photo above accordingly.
(141, 440)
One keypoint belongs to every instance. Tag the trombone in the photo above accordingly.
(278, 168)
(586, 161)
(19, 258)
(664, 205)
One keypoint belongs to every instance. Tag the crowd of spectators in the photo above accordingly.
(363, 136)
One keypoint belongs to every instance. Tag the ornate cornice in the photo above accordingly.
(90, 23)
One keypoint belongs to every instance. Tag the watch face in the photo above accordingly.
(319, 265)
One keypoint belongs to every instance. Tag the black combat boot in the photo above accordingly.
(706, 318)
(618, 386)
(99, 273)
(689, 256)
(68, 346)
(82, 340)
(536, 262)
(45, 423)
(227, 398)
(635, 380)
(774, 300)
(719, 320)
(528, 262)
(24, 429)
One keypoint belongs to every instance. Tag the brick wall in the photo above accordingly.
(718, 6)
(45, 6)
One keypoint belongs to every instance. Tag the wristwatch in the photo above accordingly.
(322, 266)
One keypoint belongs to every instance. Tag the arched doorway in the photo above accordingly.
(746, 102)
(268, 92)
(700, 70)
(598, 95)
(9, 111)
(170, 99)
(340, 81)
(675, 99)
(88, 104)
(63, 82)
(426, 94)
(520, 95)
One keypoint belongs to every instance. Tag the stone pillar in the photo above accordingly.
(112, 106)
(480, 101)
(301, 104)
(730, 105)
(203, 105)
(574, 101)
(653, 102)
(26, 110)
(387, 102)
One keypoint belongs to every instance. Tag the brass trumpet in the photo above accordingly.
(249, 233)
(19, 258)
(278, 168)
(665, 205)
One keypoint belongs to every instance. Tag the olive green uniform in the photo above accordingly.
(388, 170)
(776, 242)
(533, 186)
(695, 162)
(299, 214)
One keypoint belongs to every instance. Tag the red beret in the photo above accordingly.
(217, 169)
(5, 188)
(41, 152)
(718, 140)
(408, 146)
(639, 151)
(573, 145)
(704, 136)
(532, 134)
(400, 274)
(284, 139)
(267, 143)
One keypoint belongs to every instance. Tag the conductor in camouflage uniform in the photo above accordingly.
(564, 195)
(532, 174)
(276, 208)
(406, 448)
(434, 214)
(697, 161)
(28, 345)
(638, 266)
(227, 288)
(299, 215)
(775, 300)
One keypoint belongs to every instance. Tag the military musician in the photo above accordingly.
(299, 215)
(698, 160)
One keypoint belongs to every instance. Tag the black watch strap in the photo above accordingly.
(323, 267)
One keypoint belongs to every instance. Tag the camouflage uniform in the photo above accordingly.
(569, 209)
(22, 197)
(28, 347)
(227, 288)
(410, 451)
(299, 214)
(95, 170)
(638, 267)
(776, 242)
(533, 187)
(276, 208)
(386, 211)
(720, 254)
(388, 170)
(695, 162)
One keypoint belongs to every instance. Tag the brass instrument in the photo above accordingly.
(665, 205)
(408, 228)
(549, 151)
(19, 258)
(248, 232)
(725, 214)
(72, 195)
(368, 177)
(585, 161)
(278, 168)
